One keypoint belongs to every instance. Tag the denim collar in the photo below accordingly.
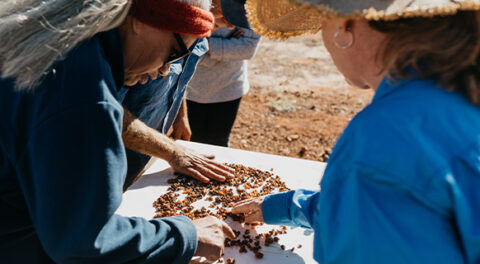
(200, 47)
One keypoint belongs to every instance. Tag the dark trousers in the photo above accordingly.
(212, 123)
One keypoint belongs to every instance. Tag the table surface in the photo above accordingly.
(296, 173)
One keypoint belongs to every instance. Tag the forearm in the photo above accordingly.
(139, 137)
(182, 112)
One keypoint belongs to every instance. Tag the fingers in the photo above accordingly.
(244, 207)
(228, 231)
(209, 173)
(197, 175)
(221, 166)
(219, 170)
(254, 218)
(193, 164)
(144, 79)
(181, 134)
(176, 135)
(251, 210)
(208, 156)
(153, 75)
(238, 34)
(224, 168)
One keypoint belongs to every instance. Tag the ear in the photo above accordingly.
(138, 27)
(348, 25)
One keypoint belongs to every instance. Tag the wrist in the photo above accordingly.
(275, 208)
(171, 151)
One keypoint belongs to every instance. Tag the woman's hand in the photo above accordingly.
(188, 162)
(238, 33)
(251, 208)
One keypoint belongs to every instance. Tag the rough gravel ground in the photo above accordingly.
(298, 104)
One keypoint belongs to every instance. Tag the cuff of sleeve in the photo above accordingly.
(188, 234)
(216, 48)
(276, 210)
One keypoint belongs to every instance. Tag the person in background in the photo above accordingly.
(221, 79)
(402, 183)
(62, 158)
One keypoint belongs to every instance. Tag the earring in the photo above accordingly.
(340, 44)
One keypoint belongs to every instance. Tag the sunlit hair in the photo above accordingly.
(445, 48)
(34, 34)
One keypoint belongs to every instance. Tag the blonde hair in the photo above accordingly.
(445, 48)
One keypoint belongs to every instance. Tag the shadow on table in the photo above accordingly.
(159, 178)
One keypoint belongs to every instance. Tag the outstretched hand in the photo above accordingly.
(251, 208)
(190, 163)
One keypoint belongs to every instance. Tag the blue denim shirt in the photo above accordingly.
(158, 101)
(63, 165)
(402, 184)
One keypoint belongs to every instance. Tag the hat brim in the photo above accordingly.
(285, 18)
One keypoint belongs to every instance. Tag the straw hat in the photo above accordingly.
(286, 18)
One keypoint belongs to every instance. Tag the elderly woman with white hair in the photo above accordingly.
(62, 159)
(403, 182)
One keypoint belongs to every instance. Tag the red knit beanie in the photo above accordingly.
(174, 16)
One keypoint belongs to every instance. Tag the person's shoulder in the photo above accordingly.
(87, 61)
(414, 130)
(86, 72)
(82, 78)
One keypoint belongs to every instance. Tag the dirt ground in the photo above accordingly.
(298, 104)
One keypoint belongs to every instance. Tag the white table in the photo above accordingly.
(296, 173)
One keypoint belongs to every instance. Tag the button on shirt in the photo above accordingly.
(402, 184)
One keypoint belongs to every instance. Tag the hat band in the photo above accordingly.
(174, 16)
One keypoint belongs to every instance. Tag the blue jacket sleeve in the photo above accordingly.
(76, 186)
(292, 208)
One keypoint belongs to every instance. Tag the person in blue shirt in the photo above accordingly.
(159, 102)
(160, 105)
(62, 157)
(403, 182)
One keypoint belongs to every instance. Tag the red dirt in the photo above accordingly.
(298, 104)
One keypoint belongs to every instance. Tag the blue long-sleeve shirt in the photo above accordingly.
(402, 184)
(62, 168)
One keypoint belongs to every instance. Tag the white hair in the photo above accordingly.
(34, 34)
(203, 4)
